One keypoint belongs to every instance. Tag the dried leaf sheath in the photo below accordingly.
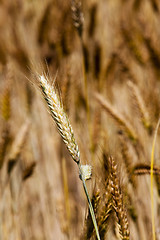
(60, 118)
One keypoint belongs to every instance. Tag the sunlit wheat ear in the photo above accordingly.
(60, 118)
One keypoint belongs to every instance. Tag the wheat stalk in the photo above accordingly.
(66, 132)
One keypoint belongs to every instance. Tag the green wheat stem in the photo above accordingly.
(89, 202)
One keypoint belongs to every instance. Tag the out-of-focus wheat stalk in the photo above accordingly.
(140, 105)
(66, 132)
(122, 122)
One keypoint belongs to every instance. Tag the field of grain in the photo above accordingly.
(102, 58)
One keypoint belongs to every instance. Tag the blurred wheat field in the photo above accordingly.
(103, 57)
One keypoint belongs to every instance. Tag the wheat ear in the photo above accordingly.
(60, 118)
(66, 132)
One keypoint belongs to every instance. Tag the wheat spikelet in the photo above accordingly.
(107, 208)
(117, 201)
(77, 16)
(139, 104)
(103, 219)
(117, 117)
(60, 118)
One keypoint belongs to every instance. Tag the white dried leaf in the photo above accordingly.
(86, 171)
